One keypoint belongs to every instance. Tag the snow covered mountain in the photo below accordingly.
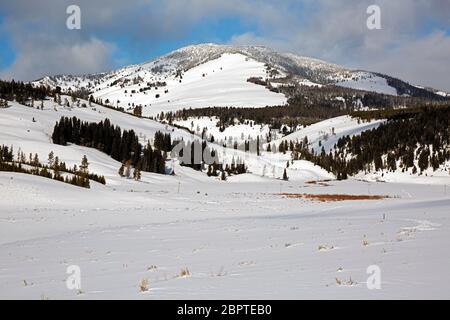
(216, 75)
(285, 227)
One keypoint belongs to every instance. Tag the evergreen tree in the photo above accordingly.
(122, 170)
(56, 168)
(51, 159)
(285, 176)
(84, 173)
(258, 153)
(137, 174)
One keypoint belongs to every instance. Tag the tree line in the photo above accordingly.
(275, 117)
(416, 140)
(307, 105)
(121, 145)
(22, 92)
(54, 169)
(203, 158)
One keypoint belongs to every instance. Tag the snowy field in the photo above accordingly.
(252, 236)
(238, 239)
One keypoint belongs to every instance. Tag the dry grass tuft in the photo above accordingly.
(152, 268)
(349, 282)
(323, 247)
(143, 285)
(185, 273)
(322, 183)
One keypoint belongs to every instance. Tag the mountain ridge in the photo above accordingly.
(299, 68)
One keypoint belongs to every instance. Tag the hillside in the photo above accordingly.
(192, 236)
(216, 75)
(30, 130)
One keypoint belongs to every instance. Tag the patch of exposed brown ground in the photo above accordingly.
(332, 197)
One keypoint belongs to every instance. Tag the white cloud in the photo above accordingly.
(423, 62)
(336, 32)
(59, 58)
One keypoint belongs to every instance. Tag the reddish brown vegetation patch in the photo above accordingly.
(332, 197)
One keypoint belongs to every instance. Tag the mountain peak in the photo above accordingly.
(297, 70)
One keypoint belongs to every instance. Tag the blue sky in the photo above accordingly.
(414, 43)
(7, 53)
(207, 30)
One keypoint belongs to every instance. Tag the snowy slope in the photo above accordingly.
(215, 75)
(219, 82)
(328, 132)
(19, 131)
(237, 132)
(368, 82)
(442, 93)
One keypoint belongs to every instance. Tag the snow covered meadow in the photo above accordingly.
(237, 240)
(190, 236)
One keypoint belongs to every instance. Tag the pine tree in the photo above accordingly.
(36, 160)
(56, 168)
(84, 173)
(285, 176)
(137, 174)
(424, 160)
(209, 173)
(258, 153)
(281, 148)
(122, 170)
(51, 159)
(392, 165)
(84, 165)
